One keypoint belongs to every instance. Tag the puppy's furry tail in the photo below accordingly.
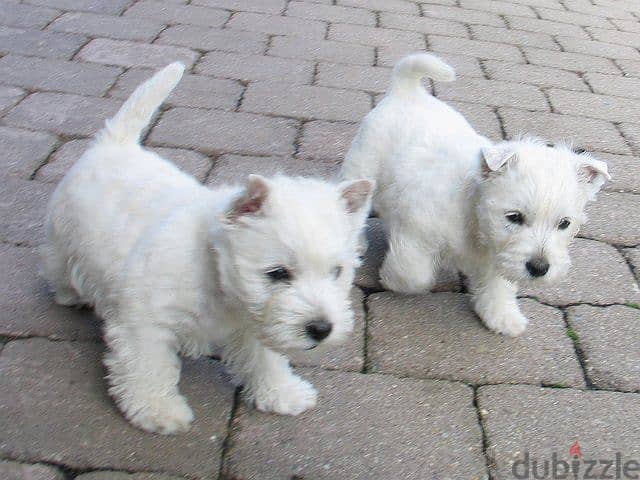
(409, 71)
(132, 118)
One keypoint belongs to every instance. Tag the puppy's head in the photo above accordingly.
(531, 204)
(291, 249)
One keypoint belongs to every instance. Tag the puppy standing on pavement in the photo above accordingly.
(174, 267)
(501, 213)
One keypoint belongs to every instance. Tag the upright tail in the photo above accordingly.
(409, 71)
(132, 118)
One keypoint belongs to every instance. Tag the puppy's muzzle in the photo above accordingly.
(537, 267)
(318, 330)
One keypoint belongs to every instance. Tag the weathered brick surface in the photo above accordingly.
(370, 79)
(9, 96)
(631, 132)
(113, 7)
(614, 85)
(275, 25)
(57, 75)
(260, 6)
(217, 131)
(630, 39)
(625, 172)
(481, 117)
(23, 471)
(607, 336)
(476, 48)
(130, 54)
(95, 25)
(255, 67)
(513, 37)
(111, 475)
(330, 140)
(204, 38)
(75, 390)
(499, 7)
(534, 74)
(23, 151)
(462, 15)
(422, 24)
(570, 61)
(172, 13)
(376, 36)
(26, 16)
(615, 109)
(307, 102)
(600, 49)
(40, 44)
(493, 92)
(610, 11)
(325, 50)
(426, 427)
(399, 6)
(545, 26)
(614, 218)
(573, 18)
(62, 160)
(22, 207)
(331, 13)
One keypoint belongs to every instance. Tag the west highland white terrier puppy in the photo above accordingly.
(174, 267)
(501, 213)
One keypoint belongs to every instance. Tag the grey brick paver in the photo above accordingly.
(521, 418)
(123, 28)
(630, 39)
(375, 36)
(23, 151)
(438, 336)
(26, 16)
(499, 7)
(113, 7)
(570, 61)
(325, 50)
(614, 218)
(422, 24)
(40, 44)
(534, 75)
(260, 6)
(610, 11)
(331, 13)
(631, 133)
(462, 15)
(608, 339)
(23, 471)
(204, 38)
(514, 37)
(275, 25)
(22, 204)
(601, 49)
(398, 6)
(172, 13)
(614, 85)
(493, 92)
(478, 48)
(573, 18)
(322, 139)
(131, 54)
(75, 390)
(111, 475)
(625, 172)
(583, 104)
(481, 117)
(545, 26)
(9, 96)
(62, 160)
(381, 427)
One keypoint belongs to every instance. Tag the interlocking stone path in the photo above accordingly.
(423, 390)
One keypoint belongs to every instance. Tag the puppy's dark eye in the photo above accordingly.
(515, 217)
(337, 271)
(279, 274)
(564, 224)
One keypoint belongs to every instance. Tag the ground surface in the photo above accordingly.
(423, 390)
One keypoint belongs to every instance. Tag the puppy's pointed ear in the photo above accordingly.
(357, 194)
(495, 157)
(592, 174)
(251, 201)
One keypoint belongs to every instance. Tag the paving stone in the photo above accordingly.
(462, 15)
(9, 96)
(477, 48)
(370, 79)
(438, 336)
(113, 7)
(539, 3)
(329, 140)
(570, 61)
(493, 92)
(513, 37)
(602, 49)
(274, 25)
(610, 11)
(23, 471)
(573, 18)
(204, 38)
(625, 172)
(58, 75)
(545, 26)
(399, 6)
(630, 39)
(192, 91)
(23, 151)
(255, 67)
(380, 426)
(631, 132)
(111, 475)
(377, 37)
(348, 356)
(326, 50)
(614, 218)
(122, 28)
(587, 133)
(130, 54)
(26, 16)
(614, 85)
(585, 104)
(501, 8)
(633, 257)
(482, 118)
(607, 336)
(422, 24)
(598, 275)
(27, 308)
(76, 391)
(22, 208)
(193, 163)
(331, 13)
(626, 25)
(172, 13)
(234, 169)
(260, 6)
(541, 421)
(535, 75)
(40, 44)
(217, 131)
(464, 66)
(367, 275)
(304, 101)
(63, 113)
(62, 160)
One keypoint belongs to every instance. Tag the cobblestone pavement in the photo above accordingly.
(423, 390)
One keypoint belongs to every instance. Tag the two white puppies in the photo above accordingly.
(174, 267)
(501, 214)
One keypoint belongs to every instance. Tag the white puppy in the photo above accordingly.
(174, 267)
(500, 213)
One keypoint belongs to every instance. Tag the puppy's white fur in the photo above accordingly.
(446, 195)
(174, 267)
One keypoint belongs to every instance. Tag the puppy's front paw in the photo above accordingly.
(291, 398)
(166, 415)
(502, 319)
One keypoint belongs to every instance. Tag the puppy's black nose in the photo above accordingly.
(318, 329)
(537, 267)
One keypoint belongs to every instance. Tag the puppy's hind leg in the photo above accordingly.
(56, 271)
(143, 373)
(410, 264)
